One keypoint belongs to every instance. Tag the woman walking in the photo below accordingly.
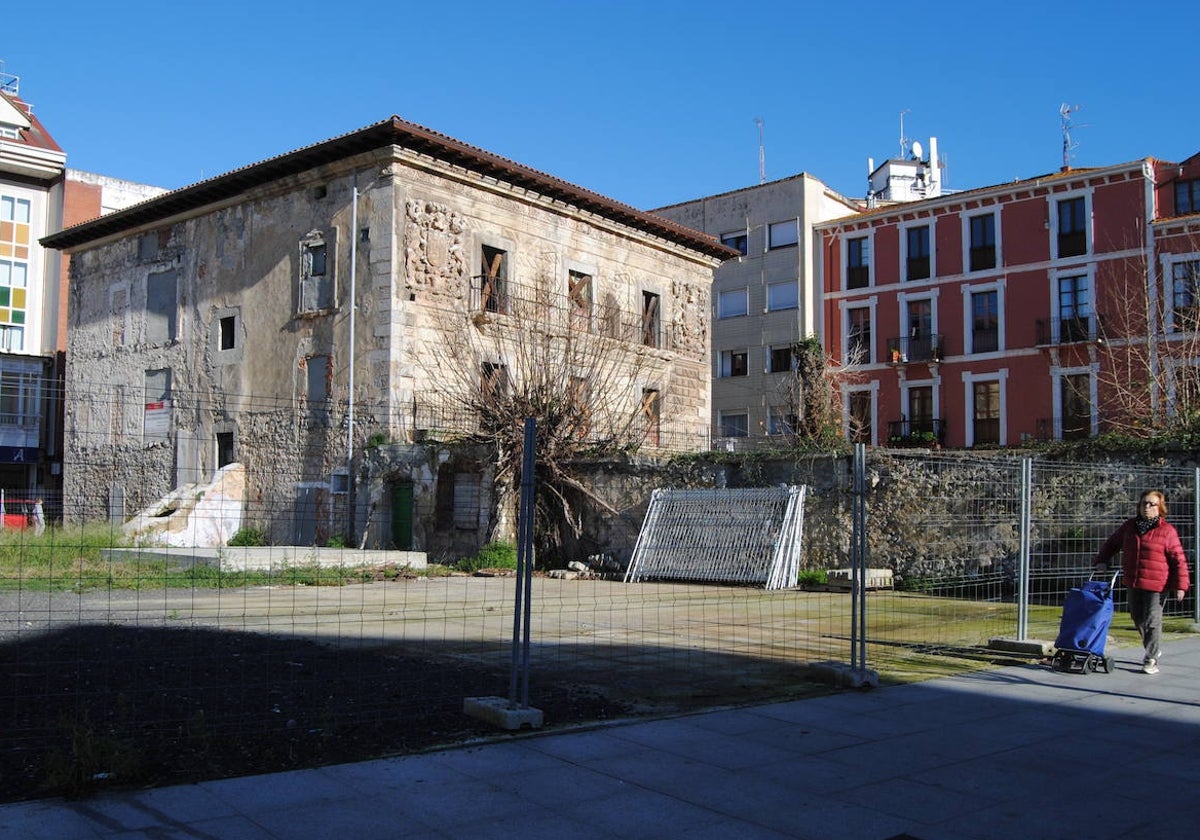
(1153, 564)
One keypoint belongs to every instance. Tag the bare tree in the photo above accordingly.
(1147, 344)
(575, 365)
(812, 395)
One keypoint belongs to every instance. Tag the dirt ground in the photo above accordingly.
(111, 706)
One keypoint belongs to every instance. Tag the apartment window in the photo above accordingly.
(491, 284)
(652, 415)
(735, 424)
(781, 420)
(922, 343)
(18, 398)
(985, 321)
(1187, 197)
(156, 416)
(579, 295)
(733, 363)
(986, 414)
(983, 242)
(917, 258)
(737, 240)
(733, 303)
(858, 263)
(783, 234)
(920, 409)
(316, 278)
(860, 411)
(781, 359)
(162, 306)
(1074, 309)
(858, 336)
(15, 244)
(1072, 227)
(651, 320)
(1076, 401)
(783, 295)
(1185, 296)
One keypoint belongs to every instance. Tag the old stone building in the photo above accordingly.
(320, 317)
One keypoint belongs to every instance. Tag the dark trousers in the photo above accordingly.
(1145, 608)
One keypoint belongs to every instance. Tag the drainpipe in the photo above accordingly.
(351, 496)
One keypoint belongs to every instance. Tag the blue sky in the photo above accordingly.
(650, 102)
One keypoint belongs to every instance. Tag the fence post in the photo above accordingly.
(1023, 560)
(521, 611)
(1196, 545)
(858, 569)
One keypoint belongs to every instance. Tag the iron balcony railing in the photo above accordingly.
(920, 431)
(1074, 330)
(924, 348)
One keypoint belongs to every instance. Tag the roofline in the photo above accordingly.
(799, 175)
(959, 196)
(389, 132)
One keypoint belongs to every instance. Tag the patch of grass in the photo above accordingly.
(495, 555)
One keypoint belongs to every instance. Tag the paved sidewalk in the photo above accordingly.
(1019, 752)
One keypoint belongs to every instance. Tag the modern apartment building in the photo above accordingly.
(1051, 307)
(38, 195)
(765, 301)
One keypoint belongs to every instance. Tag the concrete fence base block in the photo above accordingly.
(843, 676)
(1035, 648)
(498, 712)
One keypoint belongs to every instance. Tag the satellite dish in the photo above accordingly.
(918, 152)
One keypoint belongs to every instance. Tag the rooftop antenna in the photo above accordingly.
(9, 83)
(903, 139)
(762, 160)
(1068, 147)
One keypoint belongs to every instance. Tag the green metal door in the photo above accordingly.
(402, 515)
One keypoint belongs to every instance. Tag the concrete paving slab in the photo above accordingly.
(1019, 751)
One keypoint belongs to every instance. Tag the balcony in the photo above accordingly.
(922, 431)
(925, 348)
(1058, 331)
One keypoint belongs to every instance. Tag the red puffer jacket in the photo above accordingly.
(1154, 561)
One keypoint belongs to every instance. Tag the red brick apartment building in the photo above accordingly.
(992, 316)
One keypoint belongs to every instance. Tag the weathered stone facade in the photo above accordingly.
(231, 319)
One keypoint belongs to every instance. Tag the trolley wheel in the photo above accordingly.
(1108, 664)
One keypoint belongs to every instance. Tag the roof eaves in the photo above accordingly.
(393, 131)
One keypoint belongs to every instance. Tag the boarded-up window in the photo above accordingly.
(466, 501)
(491, 285)
(162, 306)
(156, 421)
(579, 292)
(119, 303)
(651, 415)
(317, 387)
(651, 320)
(316, 273)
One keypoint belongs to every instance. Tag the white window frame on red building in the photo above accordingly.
(969, 290)
(1057, 374)
(929, 224)
(871, 303)
(846, 238)
(969, 380)
(966, 216)
(871, 388)
(1053, 200)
